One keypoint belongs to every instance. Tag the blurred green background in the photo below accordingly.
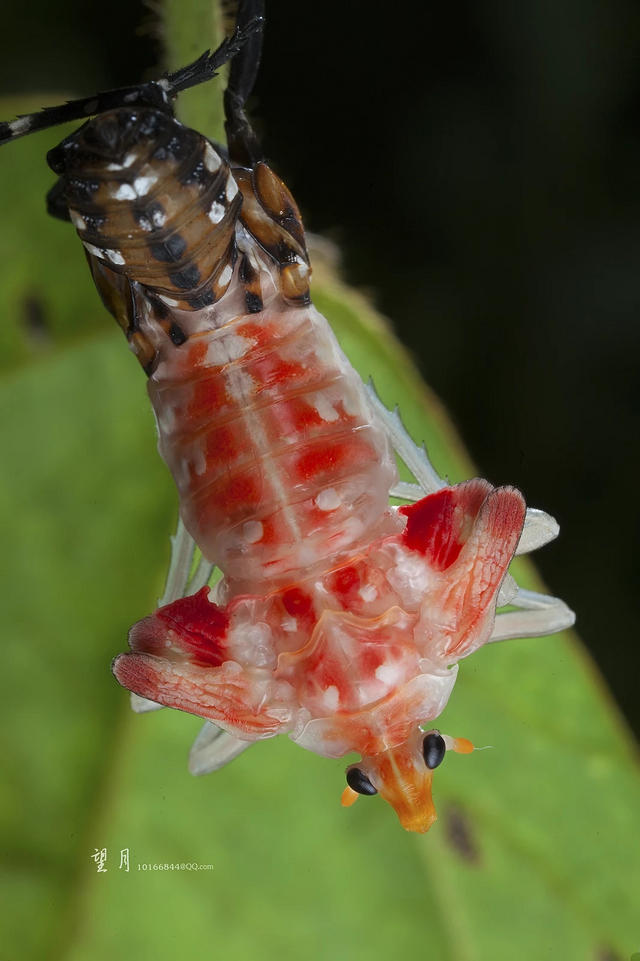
(475, 167)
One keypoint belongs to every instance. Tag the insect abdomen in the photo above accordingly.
(270, 439)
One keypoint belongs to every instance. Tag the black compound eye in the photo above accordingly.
(433, 749)
(359, 782)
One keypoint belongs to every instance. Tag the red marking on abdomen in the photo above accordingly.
(271, 370)
(259, 437)
(234, 497)
(290, 417)
(327, 460)
(223, 448)
(344, 582)
(209, 395)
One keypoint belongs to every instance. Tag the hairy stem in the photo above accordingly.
(188, 28)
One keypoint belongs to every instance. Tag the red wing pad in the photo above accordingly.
(191, 628)
(467, 533)
(228, 695)
(180, 659)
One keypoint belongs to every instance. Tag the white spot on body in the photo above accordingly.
(115, 257)
(331, 699)
(352, 402)
(225, 276)
(227, 348)
(326, 410)
(142, 185)
(128, 160)
(231, 189)
(77, 220)
(303, 268)
(211, 159)
(166, 417)
(125, 192)
(253, 644)
(242, 385)
(199, 460)
(94, 250)
(21, 125)
(389, 674)
(216, 212)
(368, 593)
(252, 531)
(328, 499)
(409, 575)
(168, 301)
(144, 223)
(158, 218)
(163, 83)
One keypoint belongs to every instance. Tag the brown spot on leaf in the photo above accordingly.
(35, 321)
(608, 954)
(460, 835)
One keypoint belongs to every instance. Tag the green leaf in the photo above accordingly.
(534, 854)
(38, 253)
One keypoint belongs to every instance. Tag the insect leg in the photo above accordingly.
(244, 147)
(182, 550)
(247, 34)
(416, 458)
(539, 527)
(151, 94)
(213, 748)
(155, 93)
(178, 584)
(539, 614)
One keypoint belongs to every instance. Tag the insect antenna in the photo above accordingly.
(244, 146)
(155, 93)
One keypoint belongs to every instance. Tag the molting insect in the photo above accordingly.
(339, 620)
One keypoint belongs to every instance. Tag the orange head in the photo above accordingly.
(402, 775)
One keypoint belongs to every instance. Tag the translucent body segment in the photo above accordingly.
(272, 442)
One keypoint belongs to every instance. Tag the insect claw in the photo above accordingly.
(182, 550)
(143, 705)
(214, 748)
(539, 614)
(508, 591)
(539, 528)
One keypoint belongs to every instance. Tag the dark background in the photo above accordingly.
(477, 165)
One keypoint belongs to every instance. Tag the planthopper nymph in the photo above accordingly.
(339, 619)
